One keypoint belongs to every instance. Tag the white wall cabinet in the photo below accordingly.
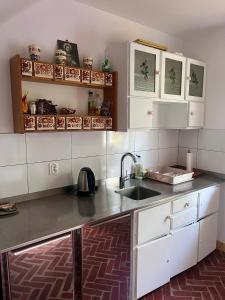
(153, 265)
(184, 248)
(207, 235)
(141, 113)
(195, 80)
(145, 73)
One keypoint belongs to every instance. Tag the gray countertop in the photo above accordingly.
(49, 216)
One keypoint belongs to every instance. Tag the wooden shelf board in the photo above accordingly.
(63, 82)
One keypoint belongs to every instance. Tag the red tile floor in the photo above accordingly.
(204, 281)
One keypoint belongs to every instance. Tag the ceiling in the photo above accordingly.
(9, 8)
(172, 16)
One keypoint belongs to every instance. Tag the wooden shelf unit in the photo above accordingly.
(109, 94)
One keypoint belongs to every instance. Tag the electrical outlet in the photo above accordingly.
(53, 168)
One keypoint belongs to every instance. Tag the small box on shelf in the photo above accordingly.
(29, 123)
(60, 123)
(108, 79)
(86, 76)
(59, 72)
(74, 122)
(26, 67)
(97, 77)
(45, 123)
(72, 74)
(87, 123)
(98, 123)
(43, 70)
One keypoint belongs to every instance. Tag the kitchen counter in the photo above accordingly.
(50, 216)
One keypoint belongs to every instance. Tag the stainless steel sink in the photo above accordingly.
(138, 193)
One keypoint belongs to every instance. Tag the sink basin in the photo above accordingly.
(138, 193)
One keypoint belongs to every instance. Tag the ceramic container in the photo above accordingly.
(60, 57)
(34, 52)
(33, 107)
(88, 62)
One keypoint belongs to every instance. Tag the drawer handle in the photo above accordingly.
(167, 218)
(191, 113)
(149, 112)
(187, 204)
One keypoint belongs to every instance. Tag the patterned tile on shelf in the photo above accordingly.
(205, 281)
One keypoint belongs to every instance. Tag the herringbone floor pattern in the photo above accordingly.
(205, 281)
(106, 261)
(43, 273)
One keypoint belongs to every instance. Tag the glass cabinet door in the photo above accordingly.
(172, 79)
(144, 70)
(195, 80)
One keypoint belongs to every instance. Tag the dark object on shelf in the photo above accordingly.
(45, 107)
(72, 57)
(196, 174)
(67, 111)
(86, 182)
(106, 109)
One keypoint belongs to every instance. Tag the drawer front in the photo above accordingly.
(208, 201)
(153, 222)
(184, 203)
(207, 236)
(184, 218)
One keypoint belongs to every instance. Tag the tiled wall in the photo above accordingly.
(208, 147)
(24, 159)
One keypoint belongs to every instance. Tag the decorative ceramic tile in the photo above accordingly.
(58, 72)
(45, 123)
(73, 123)
(26, 67)
(60, 123)
(97, 77)
(86, 122)
(72, 74)
(86, 76)
(43, 70)
(98, 123)
(108, 123)
(29, 123)
(108, 79)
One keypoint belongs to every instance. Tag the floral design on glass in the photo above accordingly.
(145, 69)
(194, 78)
(172, 75)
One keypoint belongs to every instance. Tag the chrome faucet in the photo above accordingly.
(122, 177)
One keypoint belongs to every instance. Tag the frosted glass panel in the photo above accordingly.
(173, 74)
(144, 71)
(196, 82)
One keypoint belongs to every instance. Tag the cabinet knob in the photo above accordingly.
(157, 72)
(149, 113)
(188, 77)
(191, 113)
(187, 204)
(168, 261)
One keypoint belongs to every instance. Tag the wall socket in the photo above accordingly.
(53, 168)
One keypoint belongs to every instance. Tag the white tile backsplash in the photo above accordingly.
(146, 140)
(212, 161)
(182, 156)
(39, 178)
(212, 140)
(168, 157)
(88, 144)
(120, 142)
(168, 138)
(13, 181)
(48, 146)
(26, 157)
(12, 149)
(97, 164)
(188, 138)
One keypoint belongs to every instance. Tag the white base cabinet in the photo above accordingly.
(184, 248)
(153, 268)
(207, 236)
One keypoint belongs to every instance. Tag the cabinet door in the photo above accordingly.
(207, 236)
(184, 249)
(172, 77)
(106, 260)
(153, 222)
(196, 114)
(195, 80)
(141, 113)
(208, 201)
(153, 265)
(144, 70)
(43, 271)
